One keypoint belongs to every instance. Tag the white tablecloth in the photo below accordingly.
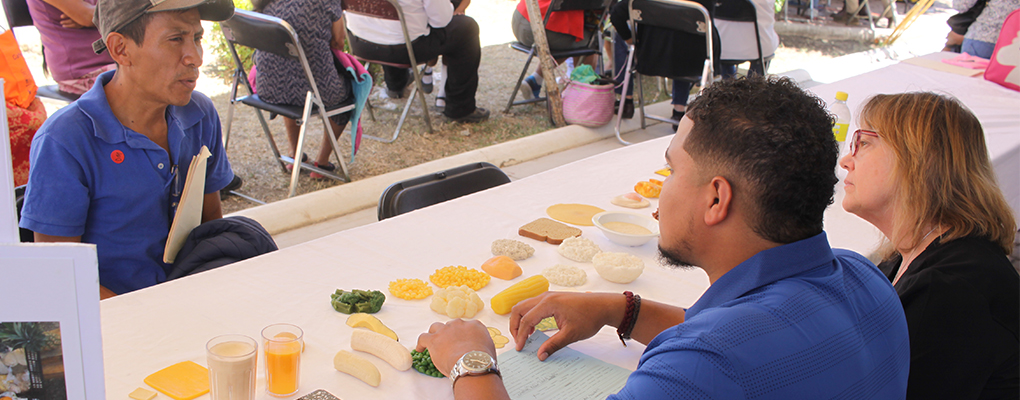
(156, 327)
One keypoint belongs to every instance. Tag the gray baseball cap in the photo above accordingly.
(113, 15)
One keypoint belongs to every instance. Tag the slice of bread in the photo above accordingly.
(545, 229)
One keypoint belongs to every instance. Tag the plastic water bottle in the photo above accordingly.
(842, 113)
(840, 128)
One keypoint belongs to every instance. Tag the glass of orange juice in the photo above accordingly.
(282, 344)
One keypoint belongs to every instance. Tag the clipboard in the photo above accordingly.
(189, 209)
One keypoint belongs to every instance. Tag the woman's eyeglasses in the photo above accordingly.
(855, 141)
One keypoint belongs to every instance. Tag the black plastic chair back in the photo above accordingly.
(17, 13)
(26, 235)
(427, 190)
(567, 5)
(669, 16)
(263, 32)
(735, 10)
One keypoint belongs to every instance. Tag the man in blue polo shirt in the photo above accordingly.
(785, 317)
(109, 168)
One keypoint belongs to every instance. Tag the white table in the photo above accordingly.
(150, 329)
(156, 327)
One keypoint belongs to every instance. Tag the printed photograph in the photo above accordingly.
(31, 361)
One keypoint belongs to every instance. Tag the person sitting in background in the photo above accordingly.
(282, 80)
(661, 52)
(984, 32)
(565, 30)
(435, 31)
(427, 79)
(109, 168)
(67, 33)
(739, 40)
(959, 24)
(785, 317)
(850, 5)
(918, 170)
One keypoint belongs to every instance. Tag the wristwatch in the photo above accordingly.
(474, 363)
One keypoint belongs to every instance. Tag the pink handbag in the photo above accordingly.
(587, 104)
(1004, 67)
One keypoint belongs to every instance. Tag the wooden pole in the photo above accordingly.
(552, 89)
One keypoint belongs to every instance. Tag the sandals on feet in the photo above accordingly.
(326, 166)
(426, 87)
(304, 159)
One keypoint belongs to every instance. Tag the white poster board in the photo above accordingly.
(52, 290)
(8, 212)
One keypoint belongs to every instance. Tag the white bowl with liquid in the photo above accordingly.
(625, 228)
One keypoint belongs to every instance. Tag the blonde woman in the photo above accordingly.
(918, 170)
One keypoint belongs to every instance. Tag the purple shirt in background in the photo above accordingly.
(68, 52)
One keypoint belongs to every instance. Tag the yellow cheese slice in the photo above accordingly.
(142, 394)
(182, 381)
(576, 214)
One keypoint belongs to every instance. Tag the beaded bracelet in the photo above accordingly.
(629, 317)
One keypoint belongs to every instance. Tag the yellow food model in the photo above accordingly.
(356, 366)
(457, 302)
(523, 290)
(459, 275)
(362, 320)
(185, 380)
(576, 214)
(547, 324)
(138, 394)
(383, 347)
(410, 289)
(497, 337)
(648, 189)
(502, 267)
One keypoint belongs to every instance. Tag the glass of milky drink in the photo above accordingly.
(282, 344)
(232, 363)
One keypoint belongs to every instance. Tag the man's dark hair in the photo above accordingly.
(774, 138)
(135, 30)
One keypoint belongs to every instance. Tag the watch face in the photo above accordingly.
(477, 361)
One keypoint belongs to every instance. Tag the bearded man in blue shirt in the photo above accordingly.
(785, 317)
(109, 168)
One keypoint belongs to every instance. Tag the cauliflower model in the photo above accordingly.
(457, 302)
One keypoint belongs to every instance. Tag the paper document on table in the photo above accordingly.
(566, 374)
(941, 66)
(189, 209)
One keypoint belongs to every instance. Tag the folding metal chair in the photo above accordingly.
(426, 190)
(390, 10)
(274, 35)
(681, 15)
(742, 11)
(531, 51)
(18, 15)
